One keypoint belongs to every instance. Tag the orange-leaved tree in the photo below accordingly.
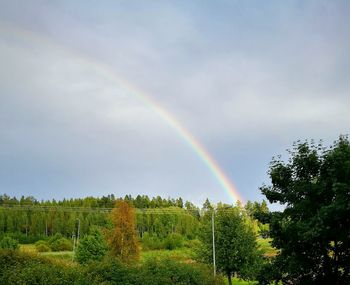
(123, 238)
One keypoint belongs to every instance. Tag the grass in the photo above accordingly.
(58, 254)
(236, 281)
(30, 248)
(27, 248)
(183, 254)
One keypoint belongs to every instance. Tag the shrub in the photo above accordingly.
(151, 242)
(173, 241)
(91, 247)
(59, 243)
(62, 244)
(113, 271)
(162, 271)
(42, 246)
(22, 268)
(8, 243)
(27, 239)
(167, 271)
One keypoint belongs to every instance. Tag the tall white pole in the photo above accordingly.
(213, 233)
(78, 235)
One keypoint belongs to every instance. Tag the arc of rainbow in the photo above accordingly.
(107, 72)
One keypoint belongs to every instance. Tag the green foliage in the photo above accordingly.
(313, 231)
(42, 246)
(183, 255)
(159, 216)
(169, 271)
(59, 243)
(258, 211)
(163, 271)
(173, 241)
(150, 242)
(264, 230)
(24, 269)
(170, 242)
(91, 247)
(8, 242)
(235, 243)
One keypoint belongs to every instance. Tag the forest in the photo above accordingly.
(143, 240)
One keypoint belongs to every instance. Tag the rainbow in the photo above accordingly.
(111, 75)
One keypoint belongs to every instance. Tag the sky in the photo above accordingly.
(245, 78)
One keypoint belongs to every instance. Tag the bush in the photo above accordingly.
(91, 247)
(27, 239)
(22, 268)
(62, 244)
(151, 242)
(163, 271)
(8, 243)
(173, 241)
(59, 243)
(42, 246)
(167, 271)
(113, 271)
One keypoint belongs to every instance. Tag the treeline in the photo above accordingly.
(140, 202)
(29, 220)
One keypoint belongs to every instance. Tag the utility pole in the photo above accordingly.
(74, 241)
(78, 235)
(213, 232)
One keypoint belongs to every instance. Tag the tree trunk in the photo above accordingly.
(229, 279)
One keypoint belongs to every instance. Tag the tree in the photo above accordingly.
(313, 231)
(235, 243)
(258, 211)
(91, 247)
(207, 206)
(123, 238)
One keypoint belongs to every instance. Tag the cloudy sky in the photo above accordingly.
(245, 78)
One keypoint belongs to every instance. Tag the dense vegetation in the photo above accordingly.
(30, 220)
(114, 236)
(165, 241)
(313, 231)
(23, 268)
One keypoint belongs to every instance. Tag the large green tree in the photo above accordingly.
(235, 242)
(313, 230)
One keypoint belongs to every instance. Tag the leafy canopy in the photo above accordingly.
(313, 231)
(235, 242)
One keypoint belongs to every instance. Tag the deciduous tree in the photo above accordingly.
(235, 243)
(313, 231)
(123, 238)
